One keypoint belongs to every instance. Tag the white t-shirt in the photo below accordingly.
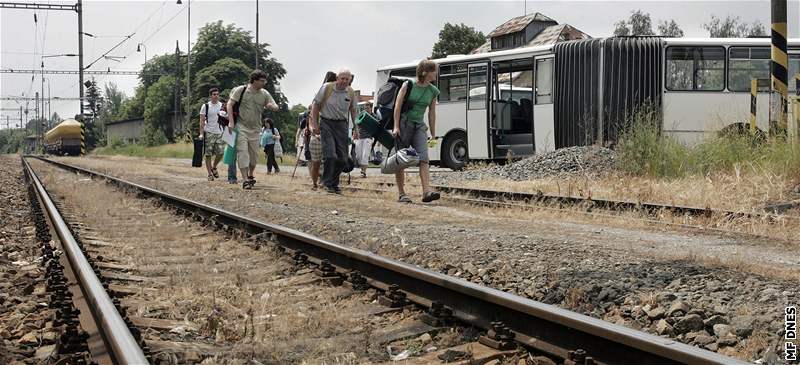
(212, 125)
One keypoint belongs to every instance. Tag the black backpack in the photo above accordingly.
(222, 121)
(385, 99)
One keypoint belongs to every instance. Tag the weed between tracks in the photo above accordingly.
(229, 295)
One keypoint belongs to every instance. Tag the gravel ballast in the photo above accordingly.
(617, 274)
(588, 161)
(26, 328)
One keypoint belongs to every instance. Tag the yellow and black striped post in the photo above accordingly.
(753, 95)
(780, 65)
(83, 138)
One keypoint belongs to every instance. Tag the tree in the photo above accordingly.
(669, 29)
(733, 27)
(223, 74)
(158, 128)
(223, 56)
(132, 107)
(162, 64)
(457, 39)
(113, 100)
(621, 29)
(95, 129)
(638, 23)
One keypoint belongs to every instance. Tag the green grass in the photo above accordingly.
(172, 150)
(644, 151)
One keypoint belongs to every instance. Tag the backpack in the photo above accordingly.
(329, 90)
(385, 100)
(235, 113)
(222, 121)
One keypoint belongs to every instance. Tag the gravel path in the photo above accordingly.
(666, 283)
(25, 321)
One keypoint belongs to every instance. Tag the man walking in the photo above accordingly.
(332, 105)
(251, 100)
(211, 132)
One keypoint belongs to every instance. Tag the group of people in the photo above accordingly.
(322, 135)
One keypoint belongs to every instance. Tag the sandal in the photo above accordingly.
(404, 199)
(247, 185)
(430, 196)
(215, 173)
(363, 174)
(210, 177)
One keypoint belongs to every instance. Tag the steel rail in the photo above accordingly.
(536, 325)
(119, 341)
(652, 209)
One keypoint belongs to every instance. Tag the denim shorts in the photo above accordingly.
(414, 135)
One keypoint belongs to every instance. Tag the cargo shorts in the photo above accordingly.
(214, 145)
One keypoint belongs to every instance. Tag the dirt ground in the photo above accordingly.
(650, 277)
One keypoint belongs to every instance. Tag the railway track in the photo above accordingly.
(488, 196)
(510, 322)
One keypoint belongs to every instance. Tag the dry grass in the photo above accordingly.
(454, 213)
(230, 296)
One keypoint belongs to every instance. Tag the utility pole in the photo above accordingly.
(257, 47)
(79, 9)
(176, 109)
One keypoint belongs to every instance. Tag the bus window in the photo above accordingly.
(746, 63)
(544, 81)
(695, 68)
(794, 68)
(477, 77)
(452, 83)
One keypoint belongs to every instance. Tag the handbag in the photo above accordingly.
(278, 150)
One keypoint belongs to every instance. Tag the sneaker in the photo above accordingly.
(330, 190)
(363, 174)
(215, 173)
(252, 179)
(233, 182)
(404, 199)
(430, 196)
(338, 190)
(247, 185)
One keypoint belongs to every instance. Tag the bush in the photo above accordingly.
(643, 150)
(116, 143)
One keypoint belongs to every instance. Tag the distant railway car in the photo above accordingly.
(64, 139)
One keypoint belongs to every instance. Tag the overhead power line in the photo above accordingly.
(68, 72)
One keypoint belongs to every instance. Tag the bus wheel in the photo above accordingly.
(454, 151)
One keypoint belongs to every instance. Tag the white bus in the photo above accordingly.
(583, 92)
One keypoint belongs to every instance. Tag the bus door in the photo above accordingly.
(543, 112)
(478, 138)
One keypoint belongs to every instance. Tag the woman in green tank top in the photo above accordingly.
(410, 128)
